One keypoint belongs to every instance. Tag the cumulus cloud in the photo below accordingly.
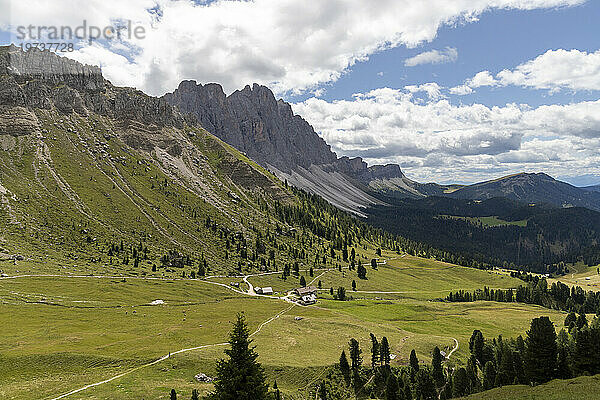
(432, 89)
(286, 44)
(461, 90)
(554, 70)
(448, 55)
(483, 78)
(436, 139)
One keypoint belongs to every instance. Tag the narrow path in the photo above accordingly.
(453, 350)
(62, 396)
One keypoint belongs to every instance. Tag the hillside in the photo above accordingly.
(497, 231)
(101, 176)
(584, 388)
(592, 188)
(531, 188)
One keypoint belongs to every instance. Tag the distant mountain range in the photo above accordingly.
(130, 167)
(268, 131)
(592, 188)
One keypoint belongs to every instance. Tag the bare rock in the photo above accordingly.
(17, 121)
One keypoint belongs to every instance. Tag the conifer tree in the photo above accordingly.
(391, 387)
(344, 366)
(460, 383)
(414, 361)
(323, 391)
(240, 377)
(489, 375)
(425, 387)
(374, 351)
(173, 394)
(437, 370)
(355, 355)
(276, 389)
(541, 350)
(384, 352)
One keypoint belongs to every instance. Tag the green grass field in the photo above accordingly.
(491, 221)
(584, 388)
(66, 333)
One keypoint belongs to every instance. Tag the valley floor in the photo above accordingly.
(109, 337)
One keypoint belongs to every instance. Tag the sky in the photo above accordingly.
(454, 91)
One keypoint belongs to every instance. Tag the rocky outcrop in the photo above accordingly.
(269, 132)
(17, 121)
(42, 80)
(253, 121)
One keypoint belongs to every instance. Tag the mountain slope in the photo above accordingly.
(94, 175)
(531, 188)
(592, 188)
(267, 130)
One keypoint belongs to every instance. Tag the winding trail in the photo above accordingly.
(453, 350)
(163, 358)
(206, 280)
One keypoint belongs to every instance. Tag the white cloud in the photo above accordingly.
(461, 90)
(483, 78)
(286, 44)
(432, 89)
(554, 70)
(438, 140)
(448, 55)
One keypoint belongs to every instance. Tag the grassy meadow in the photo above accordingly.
(68, 332)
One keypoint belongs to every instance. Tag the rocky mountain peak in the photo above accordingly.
(255, 122)
(36, 79)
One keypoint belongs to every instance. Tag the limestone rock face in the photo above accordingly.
(268, 131)
(41, 80)
(253, 121)
(17, 121)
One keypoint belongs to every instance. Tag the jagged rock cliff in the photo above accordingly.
(268, 131)
(42, 79)
(253, 121)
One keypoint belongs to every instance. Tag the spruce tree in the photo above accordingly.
(323, 391)
(476, 345)
(173, 394)
(414, 361)
(302, 281)
(489, 376)
(374, 351)
(425, 385)
(240, 377)
(460, 383)
(384, 351)
(437, 370)
(355, 355)
(276, 389)
(506, 370)
(344, 366)
(195, 395)
(541, 350)
(391, 387)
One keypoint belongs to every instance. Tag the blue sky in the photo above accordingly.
(518, 89)
(500, 39)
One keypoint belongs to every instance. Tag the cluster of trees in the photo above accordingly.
(558, 296)
(551, 235)
(539, 357)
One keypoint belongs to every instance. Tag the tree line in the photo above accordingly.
(558, 296)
